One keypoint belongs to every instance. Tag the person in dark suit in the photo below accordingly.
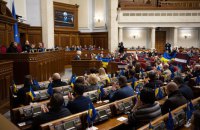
(195, 125)
(184, 89)
(78, 55)
(121, 47)
(123, 92)
(55, 111)
(175, 98)
(56, 80)
(22, 92)
(78, 102)
(12, 48)
(153, 82)
(26, 47)
(168, 47)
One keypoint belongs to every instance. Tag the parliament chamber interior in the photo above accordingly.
(99, 64)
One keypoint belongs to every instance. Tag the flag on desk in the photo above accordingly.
(170, 122)
(31, 93)
(150, 126)
(158, 93)
(189, 110)
(91, 115)
(14, 87)
(158, 68)
(101, 91)
(35, 83)
(73, 80)
(50, 89)
(15, 27)
(197, 80)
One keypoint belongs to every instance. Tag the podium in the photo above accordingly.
(80, 67)
(41, 65)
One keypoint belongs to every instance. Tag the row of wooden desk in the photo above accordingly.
(41, 65)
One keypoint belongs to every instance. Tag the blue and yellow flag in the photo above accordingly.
(101, 91)
(50, 89)
(189, 110)
(170, 122)
(159, 93)
(91, 113)
(150, 126)
(31, 94)
(14, 87)
(35, 83)
(73, 80)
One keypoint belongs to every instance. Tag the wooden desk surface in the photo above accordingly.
(111, 123)
(5, 124)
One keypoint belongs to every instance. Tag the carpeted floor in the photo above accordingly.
(5, 105)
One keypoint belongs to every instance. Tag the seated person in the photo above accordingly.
(26, 47)
(184, 88)
(167, 71)
(145, 110)
(196, 71)
(55, 111)
(102, 75)
(56, 80)
(131, 78)
(93, 80)
(153, 82)
(123, 92)
(40, 47)
(78, 102)
(78, 55)
(195, 120)
(12, 48)
(175, 98)
(22, 92)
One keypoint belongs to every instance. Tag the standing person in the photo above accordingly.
(78, 55)
(168, 47)
(121, 47)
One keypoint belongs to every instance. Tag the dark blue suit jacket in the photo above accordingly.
(79, 104)
(121, 93)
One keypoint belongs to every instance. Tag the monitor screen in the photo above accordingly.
(36, 109)
(126, 104)
(69, 124)
(102, 113)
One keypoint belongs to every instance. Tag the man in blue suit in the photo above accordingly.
(123, 92)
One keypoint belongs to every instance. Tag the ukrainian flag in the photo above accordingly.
(91, 115)
(158, 93)
(14, 87)
(150, 126)
(31, 94)
(105, 62)
(167, 57)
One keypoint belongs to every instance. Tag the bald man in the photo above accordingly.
(56, 80)
(175, 98)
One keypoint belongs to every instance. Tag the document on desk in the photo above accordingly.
(92, 128)
(123, 119)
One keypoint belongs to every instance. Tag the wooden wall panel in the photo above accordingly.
(35, 34)
(94, 38)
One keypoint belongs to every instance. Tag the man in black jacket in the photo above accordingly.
(175, 98)
(184, 89)
(55, 111)
(56, 80)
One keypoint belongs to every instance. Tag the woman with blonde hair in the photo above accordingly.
(93, 80)
(103, 76)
